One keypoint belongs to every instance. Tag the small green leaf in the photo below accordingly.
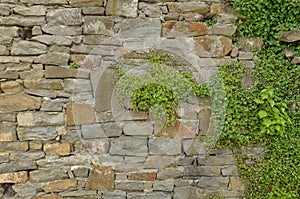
(262, 114)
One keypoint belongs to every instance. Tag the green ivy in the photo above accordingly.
(74, 65)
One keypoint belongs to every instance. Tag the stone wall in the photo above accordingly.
(61, 133)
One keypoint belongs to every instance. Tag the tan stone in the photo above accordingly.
(11, 87)
(86, 3)
(69, 184)
(143, 176)
(188, 7)
(48, 196)
(186, 129)
(61, 149)
(64, 72)
(78, 114)
(18, 102)
(126, 8)
(34, 146)
(43, 84)
(216, 8)
(16, 177)
(180, 28)
(101, 178)
(8, 132)
(236, 184)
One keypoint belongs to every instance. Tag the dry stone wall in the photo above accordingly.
(60, 134)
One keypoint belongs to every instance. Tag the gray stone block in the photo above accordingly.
(163, 185)
(170, 173)
(129, 186)
(113, 194)
(197, 171)
(214, 183)
(129, 145)
(187, 193)
(138, 128)
(165, 146)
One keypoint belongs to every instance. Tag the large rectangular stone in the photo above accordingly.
(22, 21)
(30, 11)
(129, 186)
(131, 146)
(214, 183)
(18, 102)
(62, 30)
(28, 48)
(170, 173)
(66, 16)
(29, 119)
(45, 175)
(9, 31)
(83, 3)
(138, 128)
(197, 171)
(43, 84)
(53, 58)
(64, 72)
(165, 146)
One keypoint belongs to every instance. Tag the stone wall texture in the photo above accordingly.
(60, 134)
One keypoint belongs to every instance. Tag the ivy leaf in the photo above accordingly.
(267, 122)
(262, 114)
(258, 101)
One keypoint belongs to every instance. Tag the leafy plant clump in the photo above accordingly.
(74, 65)
(266, 113)
(159, 91)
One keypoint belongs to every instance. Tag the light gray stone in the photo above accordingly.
(28, 48)
(296, 60)
(111, 129)
(186, 161)
(126, 8)
(53, 59)
(187, 193)
(197, 171)
(226, 30)
(163, 185)
(138, 128)
(193, 147)
(22, 21)
(4, 10)
(62, 30)
(27, 189)
(40, 119)
(131, 146)
(245, 55)
(150, 195)
(129, 186)
(46, 175)
(116, 194)
(92, 131)
(45, 2)
(230, 171)
(80, 171)
(218, 160)
(8, 117)
(82, 3)
(93, 10)
(54, 40)
(47, 84)
(98, 26)
(96, 146)
(36, 133)
(9, 31)
(77, 85)
(83, 159)
(53, 105)
(4, 40)
(170, 173)
(79, 193)
(30, 11)
(291, 36)
(67, 16)
(8, 132)
(4, 50)
(165, 146)
(214, 183)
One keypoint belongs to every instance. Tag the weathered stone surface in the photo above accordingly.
(18, 102)
(47, 196)
(16, 177)
(236, 184)
(296, 60)
(62, 30)
(230, 171)
(197, 171)
(28, 48)
(17, 67)
(181, 28)
(52, 105)
(78, 114)
(37, 133)
(142, 176)
(46, 175)
(93, 10)
(93, 131)
(158, 162)
(69, 184)
(225, 30)
(35, 146)
(213, 183)
(193, 147)
(104, 91)
(165, 146)
(111, 129)
(170, 173)
(9, 75)
(126, 8)
(14, 146)
(54, 40)
(64, 72)
(129, 186)
(149, 195)
(4, 40)
(61, 149)
(80, 171)
(188, 7)
(97, 146)
(138, 128)
(4, 10)
(291, 36)
(8, 132)
(40, 119)
(4, 157)
(187, 193)
(116, 194)
(9, 31)
(101, 178)
(212, 46)
(84, 3)
(4, 50)
(204, 121)
(81, 194)
(67, 16)
(77, 85)
(11, 87)
(131, 146)
(32, 74)
(67, 161)
(98, 25)
(218, 160)
(164, 185)
(30, 11)
(43, 84)
(216, 8)
(8, 117)
(22, 21)
(53, 59)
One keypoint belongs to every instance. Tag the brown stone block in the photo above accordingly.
(101, 178)
(69, 184)
(11, 87)
(78, 114)
(61, 149)
(143, 176)
(64, 72)
(16, 177)
(18, 102)
(236, 184)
